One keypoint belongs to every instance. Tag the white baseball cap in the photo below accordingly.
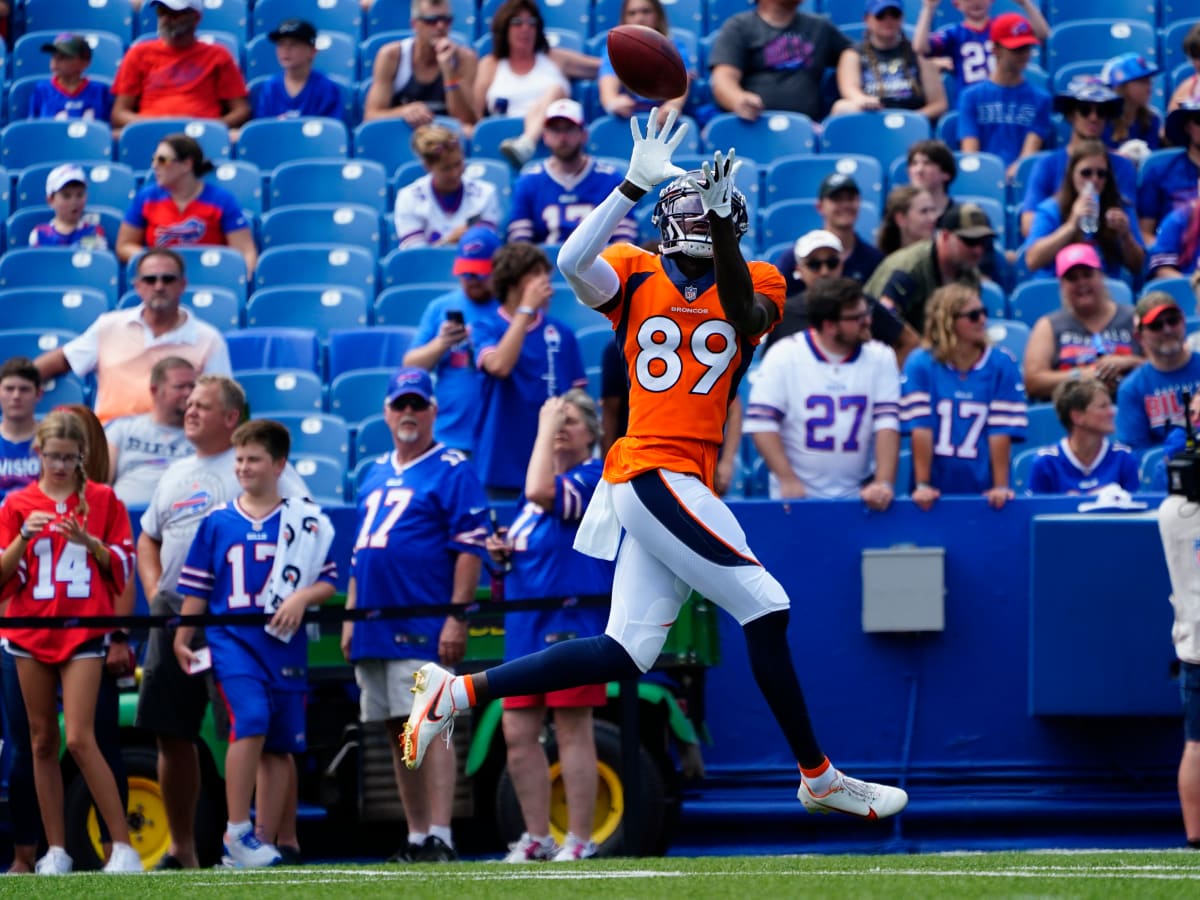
(181, 5)
(820, 239)
(61, 176)
(566, 109)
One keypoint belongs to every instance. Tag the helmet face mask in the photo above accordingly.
(682, 224)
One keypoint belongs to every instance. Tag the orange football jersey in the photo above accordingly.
(684, 363)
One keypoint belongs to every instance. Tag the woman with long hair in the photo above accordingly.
(962, 402)
(909, 215)
(1129, 75)
(68, 543)
(1088, 191)
(615, 98)
(179, 208)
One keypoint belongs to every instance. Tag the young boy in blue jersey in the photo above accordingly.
(72, 225)
(967, 44)
(299, 90)
(1005, 114)
(20, 391)
(66, 94)
(1086, 459)
(259, 553)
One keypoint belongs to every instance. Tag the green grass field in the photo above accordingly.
(1123, 874)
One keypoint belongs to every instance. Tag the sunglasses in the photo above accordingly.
(410, 401)
(816, 264)
(1166, 320)
(160, 160)
(1094, 109)
(531, 21)
(975, 242)
(158, 279)
(435, 20)
(973, 315)
(1098, 174)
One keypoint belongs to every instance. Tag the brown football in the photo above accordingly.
(647, 62)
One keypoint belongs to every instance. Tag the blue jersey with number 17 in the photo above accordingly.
(963, 409)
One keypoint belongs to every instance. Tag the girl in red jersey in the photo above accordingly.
(68, 551)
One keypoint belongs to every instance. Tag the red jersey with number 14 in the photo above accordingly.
(684, 363)
(58, 578)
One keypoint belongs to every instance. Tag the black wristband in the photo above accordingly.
(632, 191)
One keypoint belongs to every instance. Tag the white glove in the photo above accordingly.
(716, 194)
(651, 159)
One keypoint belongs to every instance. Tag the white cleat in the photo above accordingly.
(432, 713)
(863, 799)
(247, 852)
(55, 862)
(124, 860)
(573, 848)
(528, 849)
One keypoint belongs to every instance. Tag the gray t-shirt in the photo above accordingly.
(144, 450)
(784, 66)
(190, 488)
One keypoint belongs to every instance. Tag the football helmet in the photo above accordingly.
(681, 223)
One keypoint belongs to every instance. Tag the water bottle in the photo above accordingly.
(1089, 222)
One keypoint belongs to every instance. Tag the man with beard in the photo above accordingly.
(177, 75)
(553, 196)
(430, 554)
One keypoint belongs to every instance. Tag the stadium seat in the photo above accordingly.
(787, 220)
(358, 181)
(207, 266)
(61, 267)
(337, 55)
(748, 178)
(220, 308)
(432, 264)
(31, 342)
(386, 141)
(51, 140)
(317, 306)
(489, 132)
(1098, 38)
(799, 176)
(115, 16)
(1175, 28)
(994, 299)
(23, 221)
(566, 308)
(368, 348)
(405, 304)
(219, 15)
(1150, 469)
(51, 308)
(947, 129)
(359, 394)
(274, 348)
(1179, 287)
(1022, 466)
(271, 142)
(317, 264)
(1009, 335)
(772, 135)
(372, 438)
(611, 136)
(139, 140)
(884, 135)
(324, 223)
(281, 390)
(317, 434)
(109, 184)
(243, 180)
(1058, 11)
(29, 60)
(498, 174)
(59, 391)
(326, 15)
(1040, 296)
(396, 15)
(593, 341)
(1044, 428)
(559, 14)
(324, 476)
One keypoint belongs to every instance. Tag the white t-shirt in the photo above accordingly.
(826, 411)
(522, 91)
(422, 220)
(144, 449)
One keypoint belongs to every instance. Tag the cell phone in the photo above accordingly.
(202, 661)
(455, 316)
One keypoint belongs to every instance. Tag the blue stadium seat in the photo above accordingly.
(60, 267)
(772, 135)
(243, 180)
(23, 221)
(31, 342)
(50, 140)
(358, 181)
(1175, 28)
(317, 434)
(787, 220)
(317, 264)
(498, 174)
(51, 309)
(1033, 299)
(611, 136)
(1150, 469)
(593, 341)
(324, 476)
(317, 306)
(274, 348)
(28, 59)
(367, 348)
(431, 263)
(404, 304)
(561, 14)
(220, 308)
(947, 129)
(1179, 287)
(386, 141)
(565, 307)
(883, 135)
(337, 56)
(372, 438)
(1059, 11)
(281, 390)
(332, 223)
(326, 15)
(270, 142)
(109, 184)
(359, 394)
(1044, 428)
(1022, 466)
(994, 299)
(396, 15)
(139, 140)
(489, 132)
(1009, 335)
(115, 16)
(219, 15)
(207, 266)
(1016, 187)
(1098, 38)
(59, 391)
(799, 176)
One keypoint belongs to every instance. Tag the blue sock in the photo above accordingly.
(569, 664)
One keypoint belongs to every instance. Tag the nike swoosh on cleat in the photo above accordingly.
(431, 715)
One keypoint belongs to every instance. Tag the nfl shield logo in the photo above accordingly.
(690, 293)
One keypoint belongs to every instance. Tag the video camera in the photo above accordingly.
(1183, 469)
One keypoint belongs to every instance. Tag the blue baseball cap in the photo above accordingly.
(410, 380)
(475, 250)
(1126, 67)
(875, 7)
